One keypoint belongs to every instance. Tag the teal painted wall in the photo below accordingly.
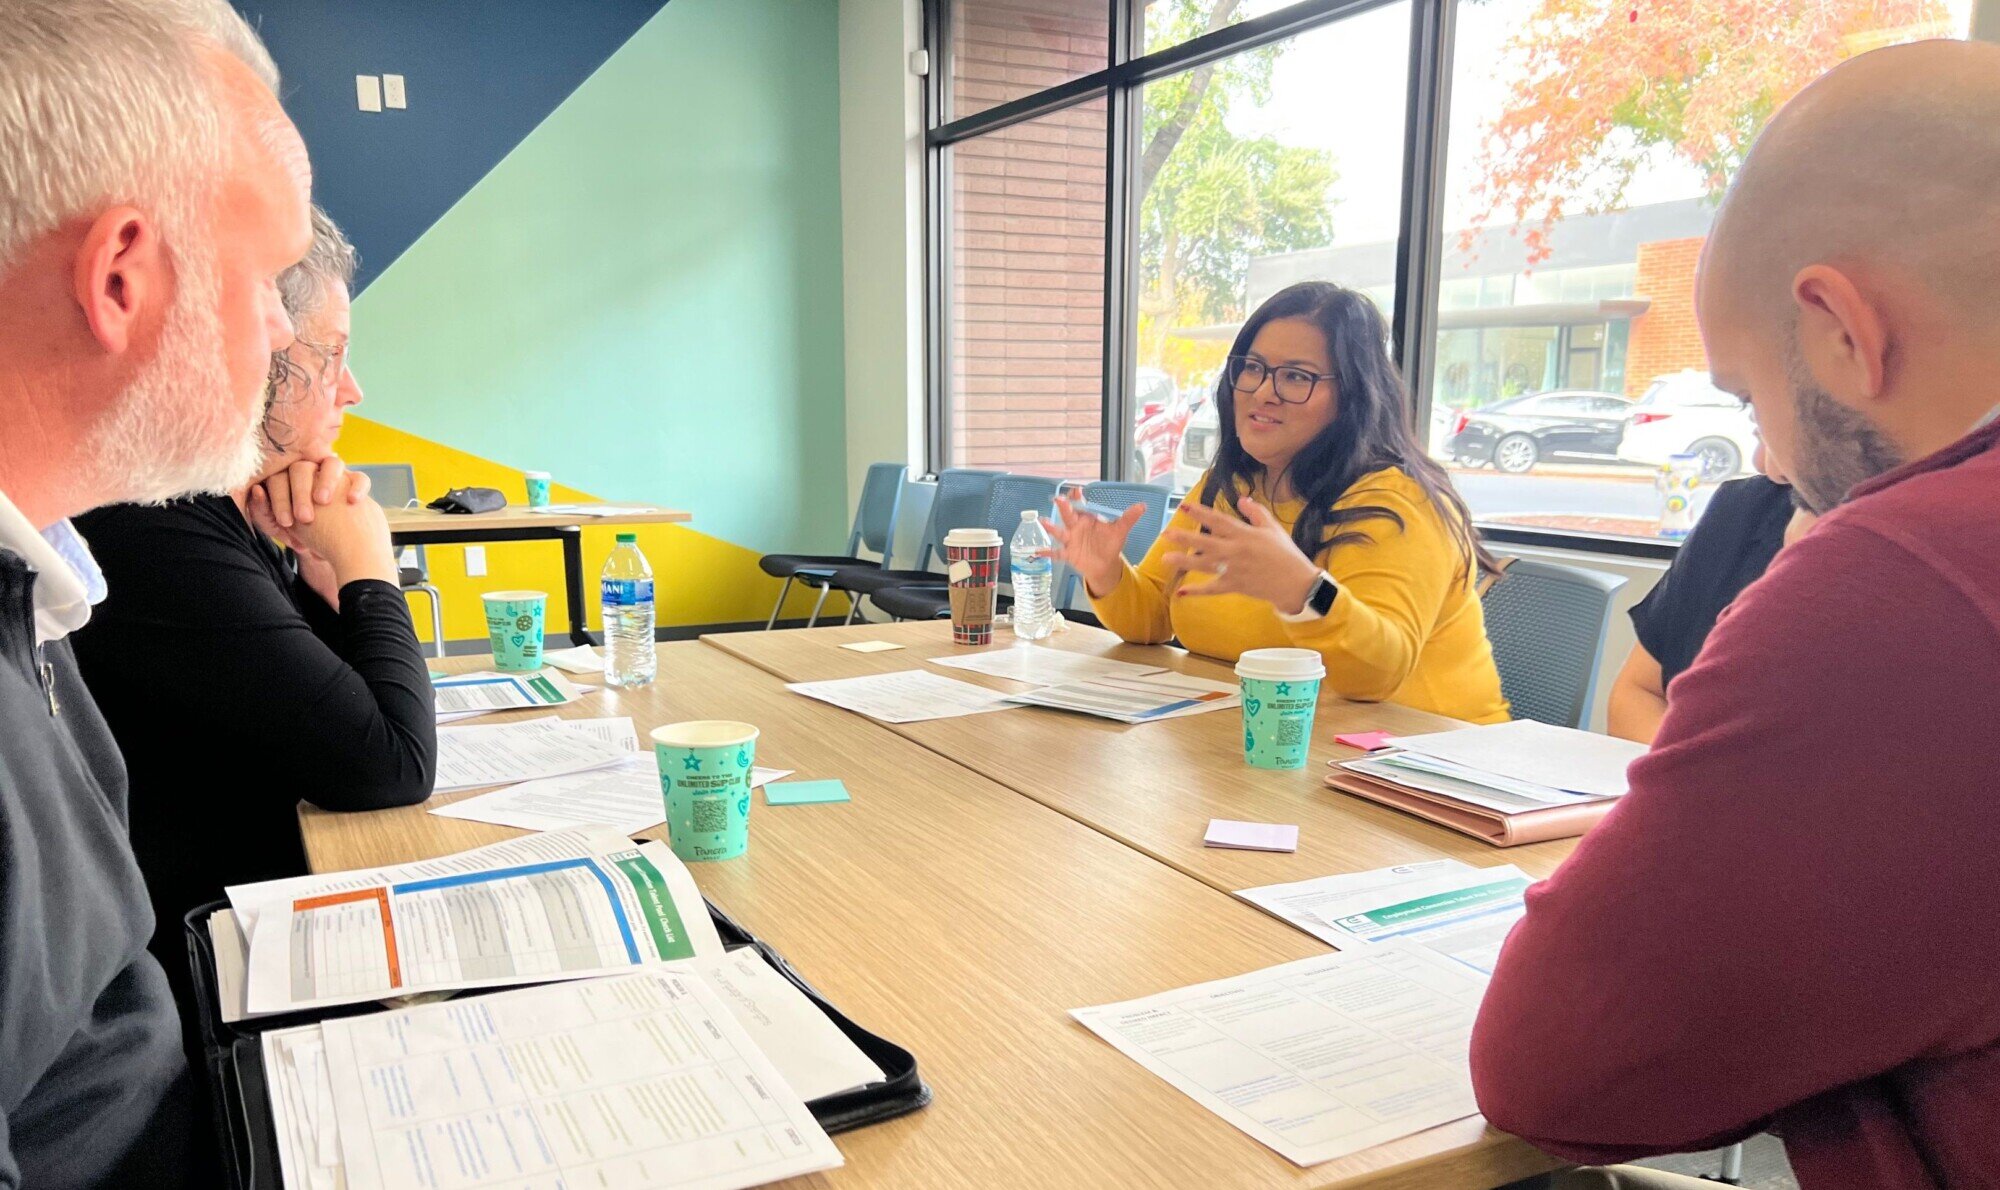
(644, 297)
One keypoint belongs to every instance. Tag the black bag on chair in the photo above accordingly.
(470, 500)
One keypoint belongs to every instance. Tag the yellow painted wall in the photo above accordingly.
(698, 579)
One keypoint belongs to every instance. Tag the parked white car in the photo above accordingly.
(1684, 413)
(1199, 443)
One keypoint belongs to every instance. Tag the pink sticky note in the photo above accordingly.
(1367, 741)
(1251, 836)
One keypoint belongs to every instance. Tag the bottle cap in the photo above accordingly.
(1030, 515)
(625, 537)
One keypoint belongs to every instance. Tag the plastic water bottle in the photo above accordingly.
(627, 593)
(1033, 578)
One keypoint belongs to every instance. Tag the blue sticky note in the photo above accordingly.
(804, 793)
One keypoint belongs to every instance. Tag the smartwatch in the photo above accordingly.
(1319, 600)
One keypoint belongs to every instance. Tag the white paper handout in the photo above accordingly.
(906, 696)
(500, 753)
(301, 1093)
(1141, 699)
(1298, 902)
(1464, 916)
(625, 796)
(561, 905)
(1044, 666)
(582, 659)
(1539, 753)
(483, 693)
(1318, 1058)
(641, 1081)
(815, 1057)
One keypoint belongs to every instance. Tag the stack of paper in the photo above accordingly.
(648, 1079)
(561, 905)
(625, 796)
(483, 693)
(1043, 666)
(1144, 698)
(1462, 913)
(906, 696)
(1318, 1058)
(1523, 765)
(502, 753)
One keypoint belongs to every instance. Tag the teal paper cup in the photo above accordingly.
(514, 624)
(705, 778)
(538, 489)
(1280, 693)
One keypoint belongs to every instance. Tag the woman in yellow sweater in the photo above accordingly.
(1321, 524)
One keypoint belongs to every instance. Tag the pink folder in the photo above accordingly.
(1487, 825)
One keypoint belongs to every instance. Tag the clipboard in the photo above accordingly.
(239, 1098)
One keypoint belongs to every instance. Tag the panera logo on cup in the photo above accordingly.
(972, 564)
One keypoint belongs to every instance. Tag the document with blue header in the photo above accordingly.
(556, 906)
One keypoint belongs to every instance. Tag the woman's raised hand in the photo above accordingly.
(1094, 546)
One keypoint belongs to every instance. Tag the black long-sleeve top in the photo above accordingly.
(234, 691)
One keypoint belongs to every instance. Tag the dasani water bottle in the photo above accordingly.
(1033, 578)
(627, 587)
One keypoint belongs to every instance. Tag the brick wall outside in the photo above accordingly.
(1665, 338)
(1027, 245)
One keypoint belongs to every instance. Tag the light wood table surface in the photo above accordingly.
(963, 921)
(1154, 786)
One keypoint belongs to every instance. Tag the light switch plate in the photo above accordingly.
(392, 92)
(475, 561)
(368, 92)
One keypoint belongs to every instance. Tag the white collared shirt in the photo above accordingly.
(68, 581)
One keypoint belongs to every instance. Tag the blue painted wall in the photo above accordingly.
(481, 74)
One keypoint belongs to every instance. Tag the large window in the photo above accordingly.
(1588, 146)
(1118, 182)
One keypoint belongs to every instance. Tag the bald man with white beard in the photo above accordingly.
(1792, 921)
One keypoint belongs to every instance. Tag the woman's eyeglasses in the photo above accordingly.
(1293, 386)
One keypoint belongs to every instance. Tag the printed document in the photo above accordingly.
(906, 696)
(641, 1081)
(301, 1094)
(1041, 665)
(482, 693)
(625, 796)
(1318, 1058)
(1141, 699)
(556, 906)
(502, 753)
(1539, 753)
(1299, 901)
(1463, 916)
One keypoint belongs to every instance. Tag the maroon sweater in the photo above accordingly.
(1792, 921)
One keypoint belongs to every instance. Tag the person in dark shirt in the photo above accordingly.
(239, 677)
(1745, 525)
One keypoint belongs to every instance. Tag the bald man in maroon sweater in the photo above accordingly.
(1792, 921)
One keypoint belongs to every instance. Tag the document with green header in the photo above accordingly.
(555, 906)
(1463, 916)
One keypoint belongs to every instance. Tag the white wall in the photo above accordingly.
(1986, 20)
(881, 196)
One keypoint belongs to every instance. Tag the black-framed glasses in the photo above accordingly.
(1293, 386)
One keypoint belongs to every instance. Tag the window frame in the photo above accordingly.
(1420, 225)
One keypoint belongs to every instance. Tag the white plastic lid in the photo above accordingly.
(1281, 665)
(536, 474)
(972, 537)
(1030, 515)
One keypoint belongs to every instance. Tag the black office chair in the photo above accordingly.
(961, 500)
(875, 519)
(1011, 496)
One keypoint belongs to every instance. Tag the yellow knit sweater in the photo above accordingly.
(1407, 626)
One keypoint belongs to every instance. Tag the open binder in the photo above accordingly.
(232, 1059)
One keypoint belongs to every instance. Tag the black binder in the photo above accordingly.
(233, 1059)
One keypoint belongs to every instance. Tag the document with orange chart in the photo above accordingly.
(559, 905)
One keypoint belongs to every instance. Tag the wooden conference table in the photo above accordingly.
(946, 911)
(427, 526)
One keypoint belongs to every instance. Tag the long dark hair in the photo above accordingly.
(1370, 430)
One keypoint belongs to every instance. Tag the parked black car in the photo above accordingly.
(1516, 434)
